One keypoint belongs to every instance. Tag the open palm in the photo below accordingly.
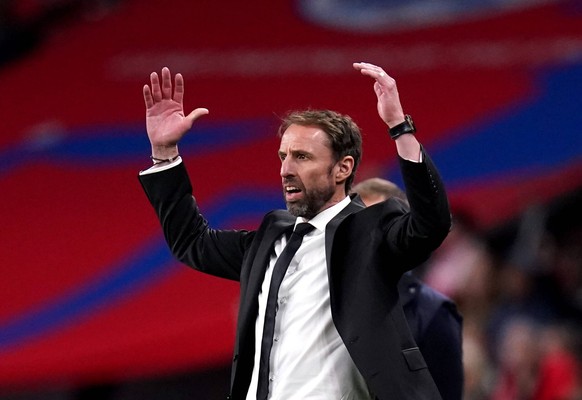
(166, 122)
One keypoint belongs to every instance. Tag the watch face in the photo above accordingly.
(410, 122)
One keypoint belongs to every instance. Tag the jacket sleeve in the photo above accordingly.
(191, 240)
(412, 236)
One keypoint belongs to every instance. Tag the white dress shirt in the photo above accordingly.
(308, 358)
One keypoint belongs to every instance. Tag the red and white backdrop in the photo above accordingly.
(89, 292)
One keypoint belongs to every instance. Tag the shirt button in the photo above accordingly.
(276, 339)
(283, 300)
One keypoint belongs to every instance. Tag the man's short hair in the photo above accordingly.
(379, 187)
(344, 134)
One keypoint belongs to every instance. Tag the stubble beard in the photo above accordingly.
(312, 202)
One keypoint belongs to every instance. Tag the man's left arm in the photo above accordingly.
(429, 219)
(425, 227)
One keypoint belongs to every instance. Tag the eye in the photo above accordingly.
(282, 156)
(301, 156)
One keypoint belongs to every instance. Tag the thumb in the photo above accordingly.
(197, 113)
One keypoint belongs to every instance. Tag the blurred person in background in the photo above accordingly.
(559, 367)
(518, 358)
(477, 367)
(462, 268)
(432, 317)
(537, 362)
(527, 287)
(534, 328)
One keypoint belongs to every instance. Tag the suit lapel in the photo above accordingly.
(249, 300)
(355, 205)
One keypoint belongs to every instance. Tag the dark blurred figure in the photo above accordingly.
(534, 328)
(527, 284)
(18, 35)
(432, 317)
(25, 24)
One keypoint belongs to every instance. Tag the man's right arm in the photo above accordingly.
(186, 231)
(168, 187)
(166, 122)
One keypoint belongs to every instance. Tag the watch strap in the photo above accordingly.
(404, 127)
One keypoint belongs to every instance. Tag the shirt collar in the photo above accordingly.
(320, 220)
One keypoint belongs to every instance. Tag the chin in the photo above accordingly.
(300, 210)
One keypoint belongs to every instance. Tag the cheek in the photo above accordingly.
(331, 173)
(316, 173)
(320, 177)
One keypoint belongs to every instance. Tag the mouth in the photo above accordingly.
(292, 193)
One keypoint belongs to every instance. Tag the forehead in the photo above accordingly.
(308, 138)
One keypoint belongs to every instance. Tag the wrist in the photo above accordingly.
(164, 161)
(395, 121)
(165, 152)
(406, 126)
(409, 148)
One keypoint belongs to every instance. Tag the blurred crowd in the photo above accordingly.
(519, 289)
(25, 24)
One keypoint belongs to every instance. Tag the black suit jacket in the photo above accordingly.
(367, 251)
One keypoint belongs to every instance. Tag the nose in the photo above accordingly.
(287, 169)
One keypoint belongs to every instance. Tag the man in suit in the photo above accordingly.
(434, 321)
(338, 331)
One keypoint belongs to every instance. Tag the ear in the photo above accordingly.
(344, 170)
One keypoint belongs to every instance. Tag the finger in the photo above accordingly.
(370, 70)
(197, 113)
(376, 73)
(179, 88)
(367, 65)
(147, 96)
(166, 83)
(156, 91)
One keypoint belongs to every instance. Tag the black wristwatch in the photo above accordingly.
(404, 127)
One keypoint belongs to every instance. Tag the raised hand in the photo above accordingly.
(166, 122)
(389, 107)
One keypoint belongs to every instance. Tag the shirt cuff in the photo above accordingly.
(415, 161)
(159, 168)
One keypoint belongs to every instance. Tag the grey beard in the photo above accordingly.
(312, 204)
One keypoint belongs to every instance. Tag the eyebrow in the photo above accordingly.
(295, 152)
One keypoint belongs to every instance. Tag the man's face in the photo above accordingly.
(308, 171)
